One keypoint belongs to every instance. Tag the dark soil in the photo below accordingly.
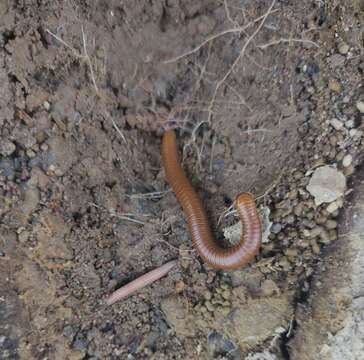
(86, 90)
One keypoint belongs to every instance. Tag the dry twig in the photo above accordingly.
(77, 54)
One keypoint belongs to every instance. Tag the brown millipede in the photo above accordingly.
(140, 282)
(218, 257)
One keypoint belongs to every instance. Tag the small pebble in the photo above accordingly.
(335, 86)
(332, 207)
(316, 231)
(333, 140)
(284, 264)
(333, 235)
(180, 286)
(226, 294)
(293, 194)
(349, 124)
(324, 237)
(30, 153)
(306, 233)
(349, 170)
(291, 253)
(276, 228)
(23, 236)
(360, 106)
(353, 132)
(347, 160)
(44, 147)
(69, 331)
(207, 295)
(320, 219)
(6, 147)
(225, 310)
(315, 246)
(210, 307)
(47, 105)
(343, 48)
(331, 224)
(340, 156)
(336, 124)
(298, 209)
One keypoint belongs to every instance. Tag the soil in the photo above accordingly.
(87, 89)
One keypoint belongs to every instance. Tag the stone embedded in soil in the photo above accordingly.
(258, 319)
(326, 184)
(334, 206)
(347, 160)
(6, 147)
(336, 124)
(360, 106)
(343, 48)
(265, 355)
(335, 86)
(218, 344)
(178, 315)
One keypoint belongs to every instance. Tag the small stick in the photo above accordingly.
(141, 282)
(213, 37)
(282, 40)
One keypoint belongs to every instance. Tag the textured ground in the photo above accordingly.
(262, 93)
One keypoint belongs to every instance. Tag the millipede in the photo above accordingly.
(211, 252)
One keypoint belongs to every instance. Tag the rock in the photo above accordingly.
(6, 147)
(326, 184)
(335, 86)
(178, 315)
(276, 228)
(347, 160)
(264, 212)
(219, 345)
(207, 295)
(336, 124)
(360, 106)
(349, 170)
(250, 278)
(79, 344)
(36, 98)
(209, 306)
(70, 331)
(23, 236)
(233, 233)
(265, 355)
(343, 48)
(47, 105)
(349, 124)
(257, 320)
(332, 207)
(331, 224)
